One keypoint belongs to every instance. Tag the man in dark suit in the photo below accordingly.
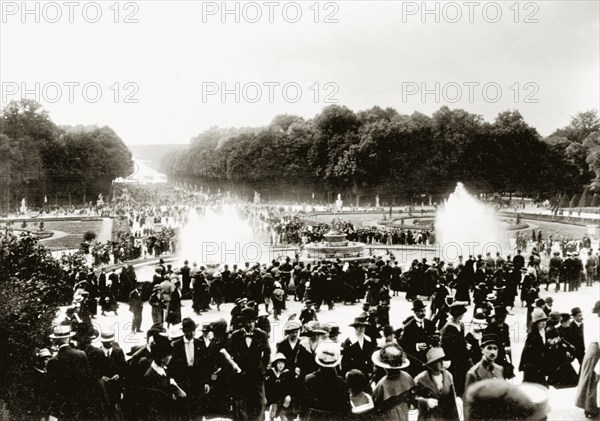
(187, 368)
(136, 305)
(416, 339)
(78, 394)
(358, 349)
(111, 369)
(250, 355)
(185, 279)
(518, 261)
(574, 334)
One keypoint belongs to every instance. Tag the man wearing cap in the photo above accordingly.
(250, 355)
(487, 367)
(548, 301)
(357, 349)
(290, 344)
(112, 369)
(416, 339)
(500, 329)
(574, 334)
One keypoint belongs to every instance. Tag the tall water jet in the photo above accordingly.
(465, 226)
(220, 236)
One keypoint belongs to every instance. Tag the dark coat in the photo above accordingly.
(355, 357)
(455, 348)
(413, 335)
(277, 388)
(174, 309)
(290, 353)
(574, 336)
(190, 379)
(305, 358)
(78, 393)
(427, 388)
(532, 359)
(324, 396)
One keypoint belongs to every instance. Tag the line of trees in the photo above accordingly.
(379, 151)
(39, 159)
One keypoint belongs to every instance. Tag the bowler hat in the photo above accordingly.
(418, 305)
(334, 331)
(391, 356)
(575, 311)
(248, 313)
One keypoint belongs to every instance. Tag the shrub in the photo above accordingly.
(89, 236)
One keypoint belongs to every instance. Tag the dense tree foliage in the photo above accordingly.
(38, 158)
(32, 286)
(379, 151)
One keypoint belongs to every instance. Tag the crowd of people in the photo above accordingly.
(384, 369)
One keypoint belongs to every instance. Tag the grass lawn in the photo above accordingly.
(75, 229)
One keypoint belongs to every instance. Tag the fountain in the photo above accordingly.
(335, 246)
(468, 226)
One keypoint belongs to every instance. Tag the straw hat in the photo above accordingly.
(62, 332)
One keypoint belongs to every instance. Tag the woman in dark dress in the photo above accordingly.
(532, 358)
(174, 309)
(436, 398)
(455, 346)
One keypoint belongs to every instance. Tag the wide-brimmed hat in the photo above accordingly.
(418, 305)
(107, 336)
(291, 326)
(434, 354)
(278, 357)
(328, 354)
(175, 332)
(489, 339)
(313, 328)
(359, 321)
(391, 356)
(538, 315)
(62, 332)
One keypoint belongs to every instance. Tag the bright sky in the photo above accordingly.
(178, 57)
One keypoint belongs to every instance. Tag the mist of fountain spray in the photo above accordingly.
(220, 236)
(465, 226)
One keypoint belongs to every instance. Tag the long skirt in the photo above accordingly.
(587, 389)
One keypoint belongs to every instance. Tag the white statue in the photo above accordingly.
(23, 207)
(377, 201)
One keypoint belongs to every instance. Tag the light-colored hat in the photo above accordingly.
(537, 315)
(328, 354)
(391, 356)
(62, 332)
(175, 332)
(278, 357)
(291, 326)
(107, 336)
(434, 354)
